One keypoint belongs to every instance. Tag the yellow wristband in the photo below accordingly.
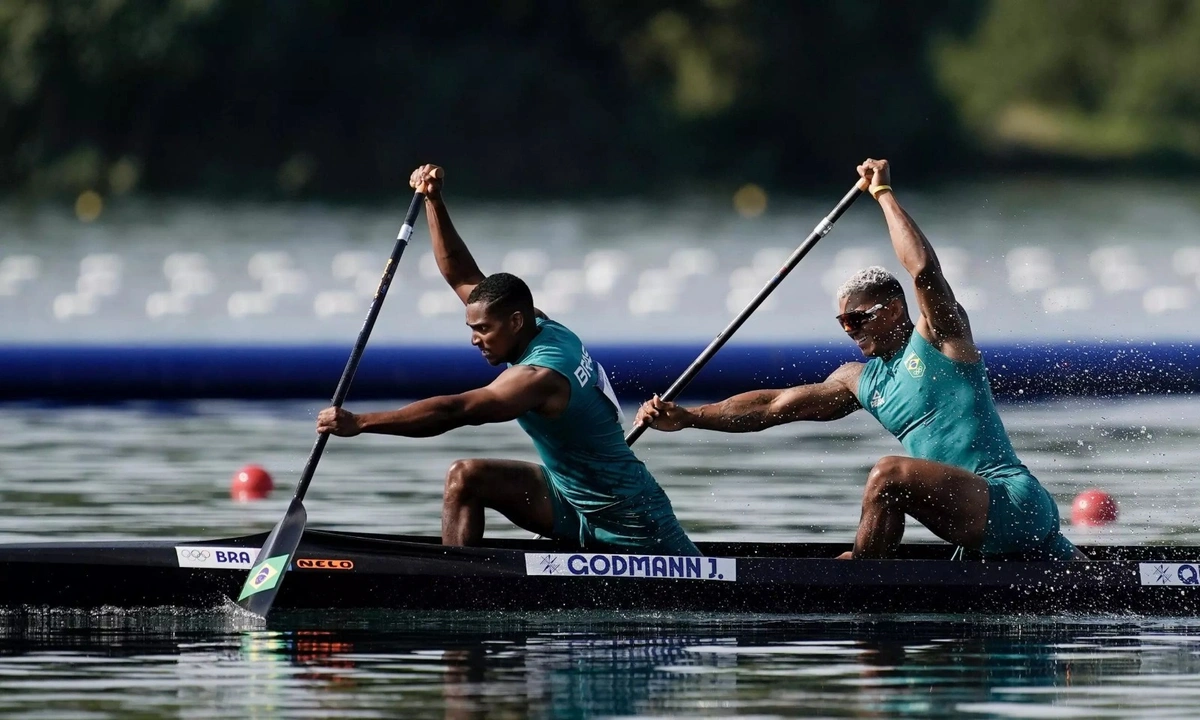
(876, 189)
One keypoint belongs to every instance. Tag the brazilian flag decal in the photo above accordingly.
(264, 576)
(914, 365)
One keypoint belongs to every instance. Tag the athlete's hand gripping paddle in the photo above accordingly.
(276, 555)
(820, 231)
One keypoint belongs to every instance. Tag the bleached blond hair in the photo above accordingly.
(874, 282)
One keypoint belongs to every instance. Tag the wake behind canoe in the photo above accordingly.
(341, 571)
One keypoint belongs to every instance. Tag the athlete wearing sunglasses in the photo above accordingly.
(927, 385)
(855, 319)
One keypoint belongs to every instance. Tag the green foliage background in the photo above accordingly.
(570, 98)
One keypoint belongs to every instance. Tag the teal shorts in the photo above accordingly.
(1023, 520)
(644, 523)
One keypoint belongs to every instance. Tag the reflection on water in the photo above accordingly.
(474, 666)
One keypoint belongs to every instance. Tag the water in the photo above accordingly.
(550, 667)
(163, 471)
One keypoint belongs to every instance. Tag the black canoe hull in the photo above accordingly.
(346, 571)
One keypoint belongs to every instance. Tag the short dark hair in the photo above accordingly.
(504, 292)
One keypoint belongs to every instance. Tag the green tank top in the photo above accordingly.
(939, 409)
(583, 448)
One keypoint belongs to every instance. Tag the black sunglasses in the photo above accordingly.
(855, 319)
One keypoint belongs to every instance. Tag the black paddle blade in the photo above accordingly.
(266, 577)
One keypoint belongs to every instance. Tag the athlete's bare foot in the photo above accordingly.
(848, 555)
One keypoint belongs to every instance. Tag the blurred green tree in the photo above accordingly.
(1098, 79)
(306, 98)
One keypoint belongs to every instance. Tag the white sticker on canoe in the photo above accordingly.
(631, 566)
(1170, 573)
(204, 556)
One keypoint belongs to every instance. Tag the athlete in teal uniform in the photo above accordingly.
(926, 384)
(942, 410)
(590, 488)
(600, 490)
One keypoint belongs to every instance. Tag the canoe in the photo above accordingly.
(340, 571)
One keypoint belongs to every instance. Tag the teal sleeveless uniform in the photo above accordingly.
(942, 410)
(603, 496)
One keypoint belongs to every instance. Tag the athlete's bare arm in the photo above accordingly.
(454, 260)
(517, 390)
(760, 409)
(943, 321)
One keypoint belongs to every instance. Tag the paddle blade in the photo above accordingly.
(266, 577)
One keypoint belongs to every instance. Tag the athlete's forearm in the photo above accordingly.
(748, 412)
(911, 245)
(454, 260)
(424, 418)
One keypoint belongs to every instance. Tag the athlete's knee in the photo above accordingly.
(887, 483)
(463, 478)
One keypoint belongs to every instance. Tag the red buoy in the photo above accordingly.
(1093, 507)
(252, 482)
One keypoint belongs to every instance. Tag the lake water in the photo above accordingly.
(638, 667)
(164, 470)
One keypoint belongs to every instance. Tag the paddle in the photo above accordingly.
(820, 231)
(266, 577)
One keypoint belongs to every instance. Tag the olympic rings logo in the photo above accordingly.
(194, 553)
